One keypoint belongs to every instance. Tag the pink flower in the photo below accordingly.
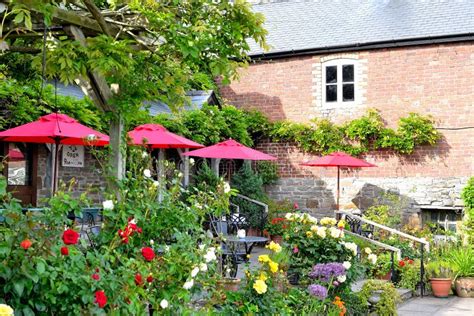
(295, 249)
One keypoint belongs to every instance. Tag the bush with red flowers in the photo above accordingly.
(70, 237)
(159, 247)
(277, 226)
(148, 253)
(409, 273)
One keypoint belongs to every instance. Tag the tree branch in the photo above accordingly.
(97, 16)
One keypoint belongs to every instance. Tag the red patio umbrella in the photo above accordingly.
(230, 149)
(338, 159)
(56, 129)
(156, 136)
(15, 155)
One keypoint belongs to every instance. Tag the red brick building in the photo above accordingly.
(336, 59)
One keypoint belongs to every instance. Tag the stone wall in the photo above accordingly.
(409, 194)
(88, 179)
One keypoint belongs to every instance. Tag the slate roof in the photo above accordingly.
(197, 98)
(301, 25)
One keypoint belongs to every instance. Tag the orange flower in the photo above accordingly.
(340, 304)
(25, 244)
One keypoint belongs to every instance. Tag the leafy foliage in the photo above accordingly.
(249, 184)
(359, 135)
(24, 102)
(468, 221)
(389, 297)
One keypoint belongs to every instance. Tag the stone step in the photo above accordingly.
(405, 294)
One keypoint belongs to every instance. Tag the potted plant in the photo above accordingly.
(383, 267)
(462, 263)
(275, 228)
(440, 275)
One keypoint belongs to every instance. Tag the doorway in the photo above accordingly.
(21, 164)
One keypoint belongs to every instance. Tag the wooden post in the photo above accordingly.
(185, 160)
(215, 162)
(99, 91)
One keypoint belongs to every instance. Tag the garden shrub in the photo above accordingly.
(389, 297)
(249, 183)
(146, 252)
(468, 221)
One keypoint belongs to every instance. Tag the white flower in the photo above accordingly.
(144, 154)
(341, 278)
(368, 250)
(191, 161)
(147, 173)
(328, 221)
(133, 221)
(335, 233)
(203, 267)
(210, 255)
(321, 232)
(91, 137)
(226, 187)
(351, 246)
(164, 304)
(180, 174)
(152, 242)
(108, 205)
(201, 247)
(347, 265)
(373, 258)
(156, 183)
(167, 248)
(188, 284)
(194, 272)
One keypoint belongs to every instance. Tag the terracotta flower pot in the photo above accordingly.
(465, 287)
(440, 286)
(254, 232)
(230, 284)
(277, 239)
(385, 277)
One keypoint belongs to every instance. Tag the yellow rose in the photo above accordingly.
(341, 224)
(309, 234)
(263, 276)
(260, 286)
(273, 246)
(273, 266)
(6, 310)
(263, 258)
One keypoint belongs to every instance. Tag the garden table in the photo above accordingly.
(248, 241)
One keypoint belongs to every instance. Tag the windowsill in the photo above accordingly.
(338, 104)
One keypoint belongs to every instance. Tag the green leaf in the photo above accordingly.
(19, 17)
(19, 286)
(40, 267)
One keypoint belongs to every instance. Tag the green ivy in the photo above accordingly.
(358, 136)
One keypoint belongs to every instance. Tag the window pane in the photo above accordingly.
(331, 74)
(331, 93)
(348, 92)
(348, 73)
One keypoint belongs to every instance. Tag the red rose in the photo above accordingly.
(148, 253)
(97, 270)
(138, 279)
(401, 263)
(65, 251)
(100, 298)
(25, 244)
(70, 237)
(96, 277)
(149, 278)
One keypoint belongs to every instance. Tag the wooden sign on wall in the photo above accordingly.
(73, 156)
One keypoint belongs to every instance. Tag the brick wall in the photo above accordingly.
(434, 80)
(87, 179)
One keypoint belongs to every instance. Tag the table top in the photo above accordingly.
(246, 239)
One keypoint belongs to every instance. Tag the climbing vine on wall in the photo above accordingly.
(358, 136)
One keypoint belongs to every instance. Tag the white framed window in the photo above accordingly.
(339, 81)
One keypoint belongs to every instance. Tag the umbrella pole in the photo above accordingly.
(337, 197)
(55, 166)
(161, 172)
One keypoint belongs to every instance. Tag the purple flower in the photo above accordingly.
(327, 271)
(318, 291)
